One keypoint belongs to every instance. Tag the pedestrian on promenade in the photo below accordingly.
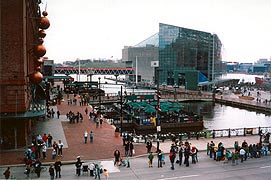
(78, 165)
(44, 149)
(60, 147)
(7, 173)
(186, 154)
(181, 152)
(172, 157)
(49, 139)
(212, 145)
(52, 113)
(86, 111)
(51, 172)
(97, 171)
(86, 137)
(106, 175)
(242, 153)
(101, 122)
(117, 157)
(149, 146)
(53, 154)
(126, 148)
(58, 165)
(97, 122)
(58, 114)
(159, 157)
(91, 136)
(150, 159)
(45, 138)
(55, 147)
(131, 149)
(208, 148)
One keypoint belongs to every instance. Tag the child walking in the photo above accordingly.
(106, 174)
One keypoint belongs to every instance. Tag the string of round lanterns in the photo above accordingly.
(39, 50)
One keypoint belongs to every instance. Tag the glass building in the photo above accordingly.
(188, 57)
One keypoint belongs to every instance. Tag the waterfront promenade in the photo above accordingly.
(105, 142)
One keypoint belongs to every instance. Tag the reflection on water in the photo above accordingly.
(223, 117)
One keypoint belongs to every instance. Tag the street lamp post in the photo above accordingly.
(121, 113)
(99, 94)
(158, 110)
(175, 91)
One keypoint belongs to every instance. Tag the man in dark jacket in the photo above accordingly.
(58, 165)
(78, 165)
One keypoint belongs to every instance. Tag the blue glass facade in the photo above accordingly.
(184, 50)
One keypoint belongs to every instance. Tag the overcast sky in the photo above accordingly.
(101, 28)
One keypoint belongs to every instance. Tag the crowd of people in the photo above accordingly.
(38, 150)
(241, 152)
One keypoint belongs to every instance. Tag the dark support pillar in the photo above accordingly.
(213, 134)
(244, 131)
(229, 132)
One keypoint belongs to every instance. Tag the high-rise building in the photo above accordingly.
(186, 54)
(22, 98)
(186, 57)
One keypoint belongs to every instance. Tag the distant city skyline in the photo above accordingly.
(83, 29)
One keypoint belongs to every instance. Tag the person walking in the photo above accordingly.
(44, 149)
(131, 149)
(86, 111)
(91, 136)
(106, 174)
(51, 172)
(117, 157)
(159, 156)
(60, 147)
(181, 152)
(150, 157)
(7, 173)
(78, 165)
(55, 147)
(86, 137)
(172, 157)
(58, 165)
(126, 148)
(149, 146)
(49, 139)
(58, 114)
(97, 171)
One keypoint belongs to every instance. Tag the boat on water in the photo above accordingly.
(263, 81)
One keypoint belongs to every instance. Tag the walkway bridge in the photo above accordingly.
(94, 71)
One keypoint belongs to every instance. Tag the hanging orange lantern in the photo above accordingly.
(36, 77)
(40, 41)
(39, 50)
(39, 61)
(44, 23)
(38, 68)
(45, 13)
(42, 33)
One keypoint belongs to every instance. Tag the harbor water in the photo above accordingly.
(215, 116)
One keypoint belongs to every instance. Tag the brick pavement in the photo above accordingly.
(103, 146)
